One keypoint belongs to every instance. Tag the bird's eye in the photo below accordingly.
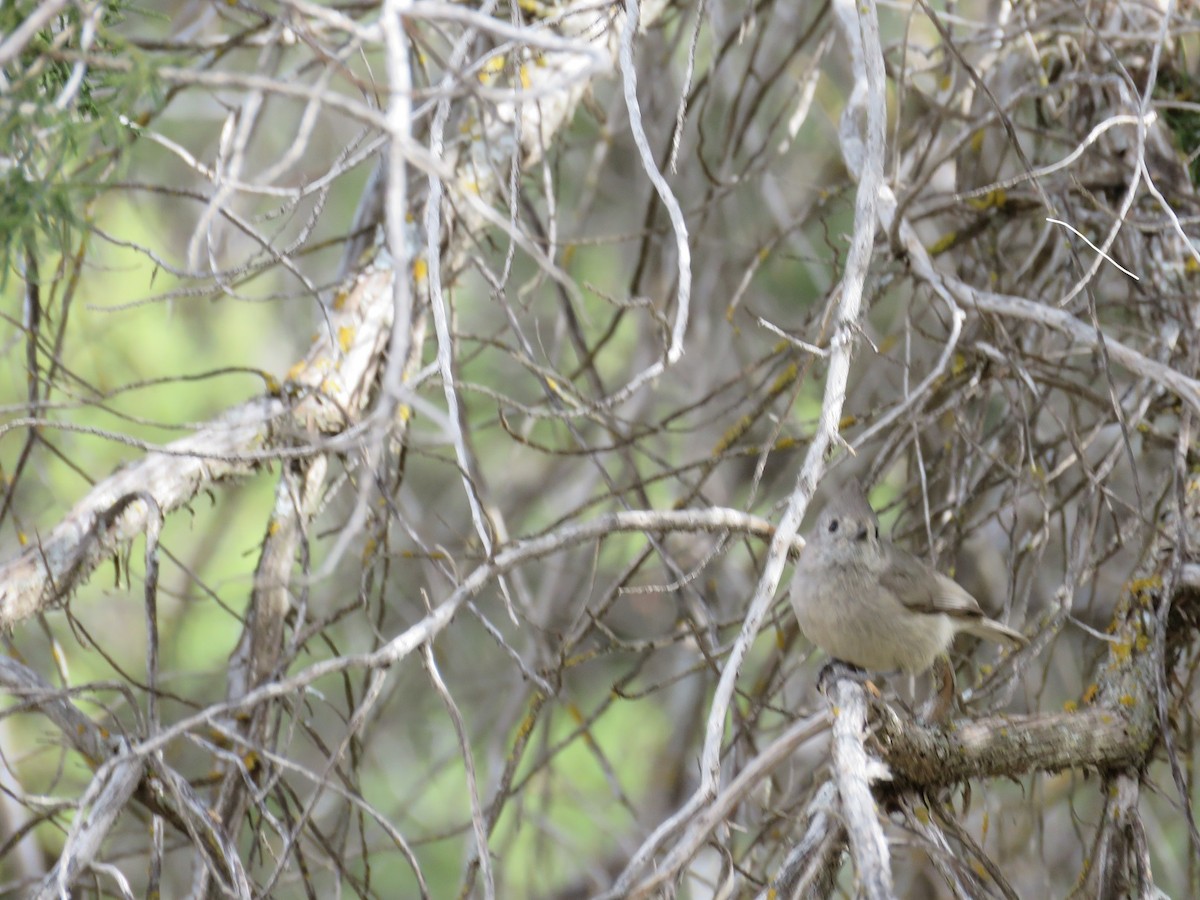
(833, 526)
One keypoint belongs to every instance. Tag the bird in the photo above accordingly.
(871, 604)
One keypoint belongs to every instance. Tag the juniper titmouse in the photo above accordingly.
(873, 605)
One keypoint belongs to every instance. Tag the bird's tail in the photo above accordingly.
(991, 630)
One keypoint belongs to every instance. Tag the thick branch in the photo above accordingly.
(332, 381)
(1013, 745)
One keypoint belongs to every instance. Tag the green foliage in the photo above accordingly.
(1178, 85)
(67, 100)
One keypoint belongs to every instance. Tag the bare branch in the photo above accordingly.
(854, 772)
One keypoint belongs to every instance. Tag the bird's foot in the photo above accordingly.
(836, 668)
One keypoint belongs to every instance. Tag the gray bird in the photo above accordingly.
(869, 603)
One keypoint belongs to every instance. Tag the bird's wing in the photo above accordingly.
(922, 589)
